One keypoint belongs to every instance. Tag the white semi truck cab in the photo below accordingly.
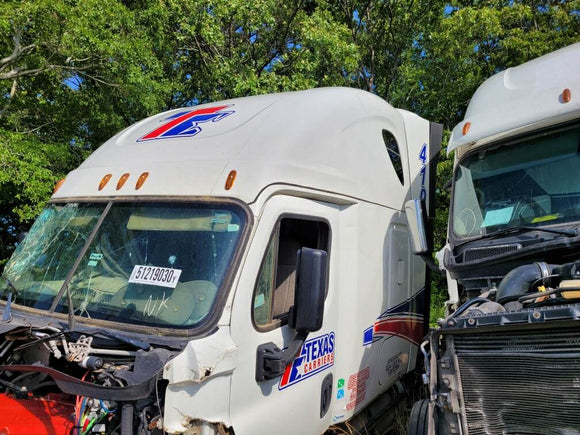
(235, 267)
(506, 359)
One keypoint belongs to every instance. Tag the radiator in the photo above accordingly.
(520, 383)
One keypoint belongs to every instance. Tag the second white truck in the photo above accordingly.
(506, 358)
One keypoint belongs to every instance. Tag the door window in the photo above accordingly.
(274, 292)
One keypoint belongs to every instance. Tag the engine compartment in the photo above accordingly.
(79, 382)
(528, 286)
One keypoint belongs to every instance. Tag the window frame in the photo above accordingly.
(564, 127)
(203, 329)
(283, 321)
(400, 174)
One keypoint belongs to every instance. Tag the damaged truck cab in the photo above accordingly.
(236, 267)
(506, 357)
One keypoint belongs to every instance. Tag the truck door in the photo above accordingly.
(291, 403)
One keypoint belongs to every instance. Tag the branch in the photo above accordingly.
(98, 80)
(14, 73)
(10, 96)
(9, 70)
(279, 43)
(13, 88)
(17, 51)
(34, 130)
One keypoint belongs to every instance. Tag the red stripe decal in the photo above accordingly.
(286, 375)
(159, 131)
(409, 329)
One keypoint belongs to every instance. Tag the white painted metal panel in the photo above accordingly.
(523, 98)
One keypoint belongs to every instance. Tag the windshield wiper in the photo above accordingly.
(12, 288)
(108, 335)
(7, 315)
(521, 229)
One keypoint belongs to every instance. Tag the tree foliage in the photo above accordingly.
(72, 72)
(384, 31)
(474, 40)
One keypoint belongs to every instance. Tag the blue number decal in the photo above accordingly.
(423, 158)
(423, 154)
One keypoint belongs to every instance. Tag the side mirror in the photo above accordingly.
(416, 218)
(307, 312)
(305, 316)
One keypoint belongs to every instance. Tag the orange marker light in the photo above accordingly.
(466, 128)
(57, 185)
(566, 95)
(230, 180)
(104, 181)
(141, 180)
(122, 181)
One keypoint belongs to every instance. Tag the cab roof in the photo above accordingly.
(522, 99)
(295, 138)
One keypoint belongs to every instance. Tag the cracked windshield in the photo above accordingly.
(147, 263)
(534, 182)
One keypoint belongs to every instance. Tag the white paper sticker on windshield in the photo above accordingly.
(498, 217)
(153, 275)
(94, 259)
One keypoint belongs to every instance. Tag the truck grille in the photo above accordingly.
(523, 383)
(476, 254)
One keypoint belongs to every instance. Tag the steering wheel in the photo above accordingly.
(526, 209)
(465, 222)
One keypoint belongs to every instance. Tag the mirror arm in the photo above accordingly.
(272, 361)
(431, 263)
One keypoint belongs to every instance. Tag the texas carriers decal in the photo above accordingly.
(316, 355)
(404, 320)
(187, 123)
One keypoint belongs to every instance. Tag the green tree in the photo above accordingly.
(213, 50)
(75, 70)
(69, 76)
(474, 40)
(384, 31)
(73, 73)
(28, 174)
